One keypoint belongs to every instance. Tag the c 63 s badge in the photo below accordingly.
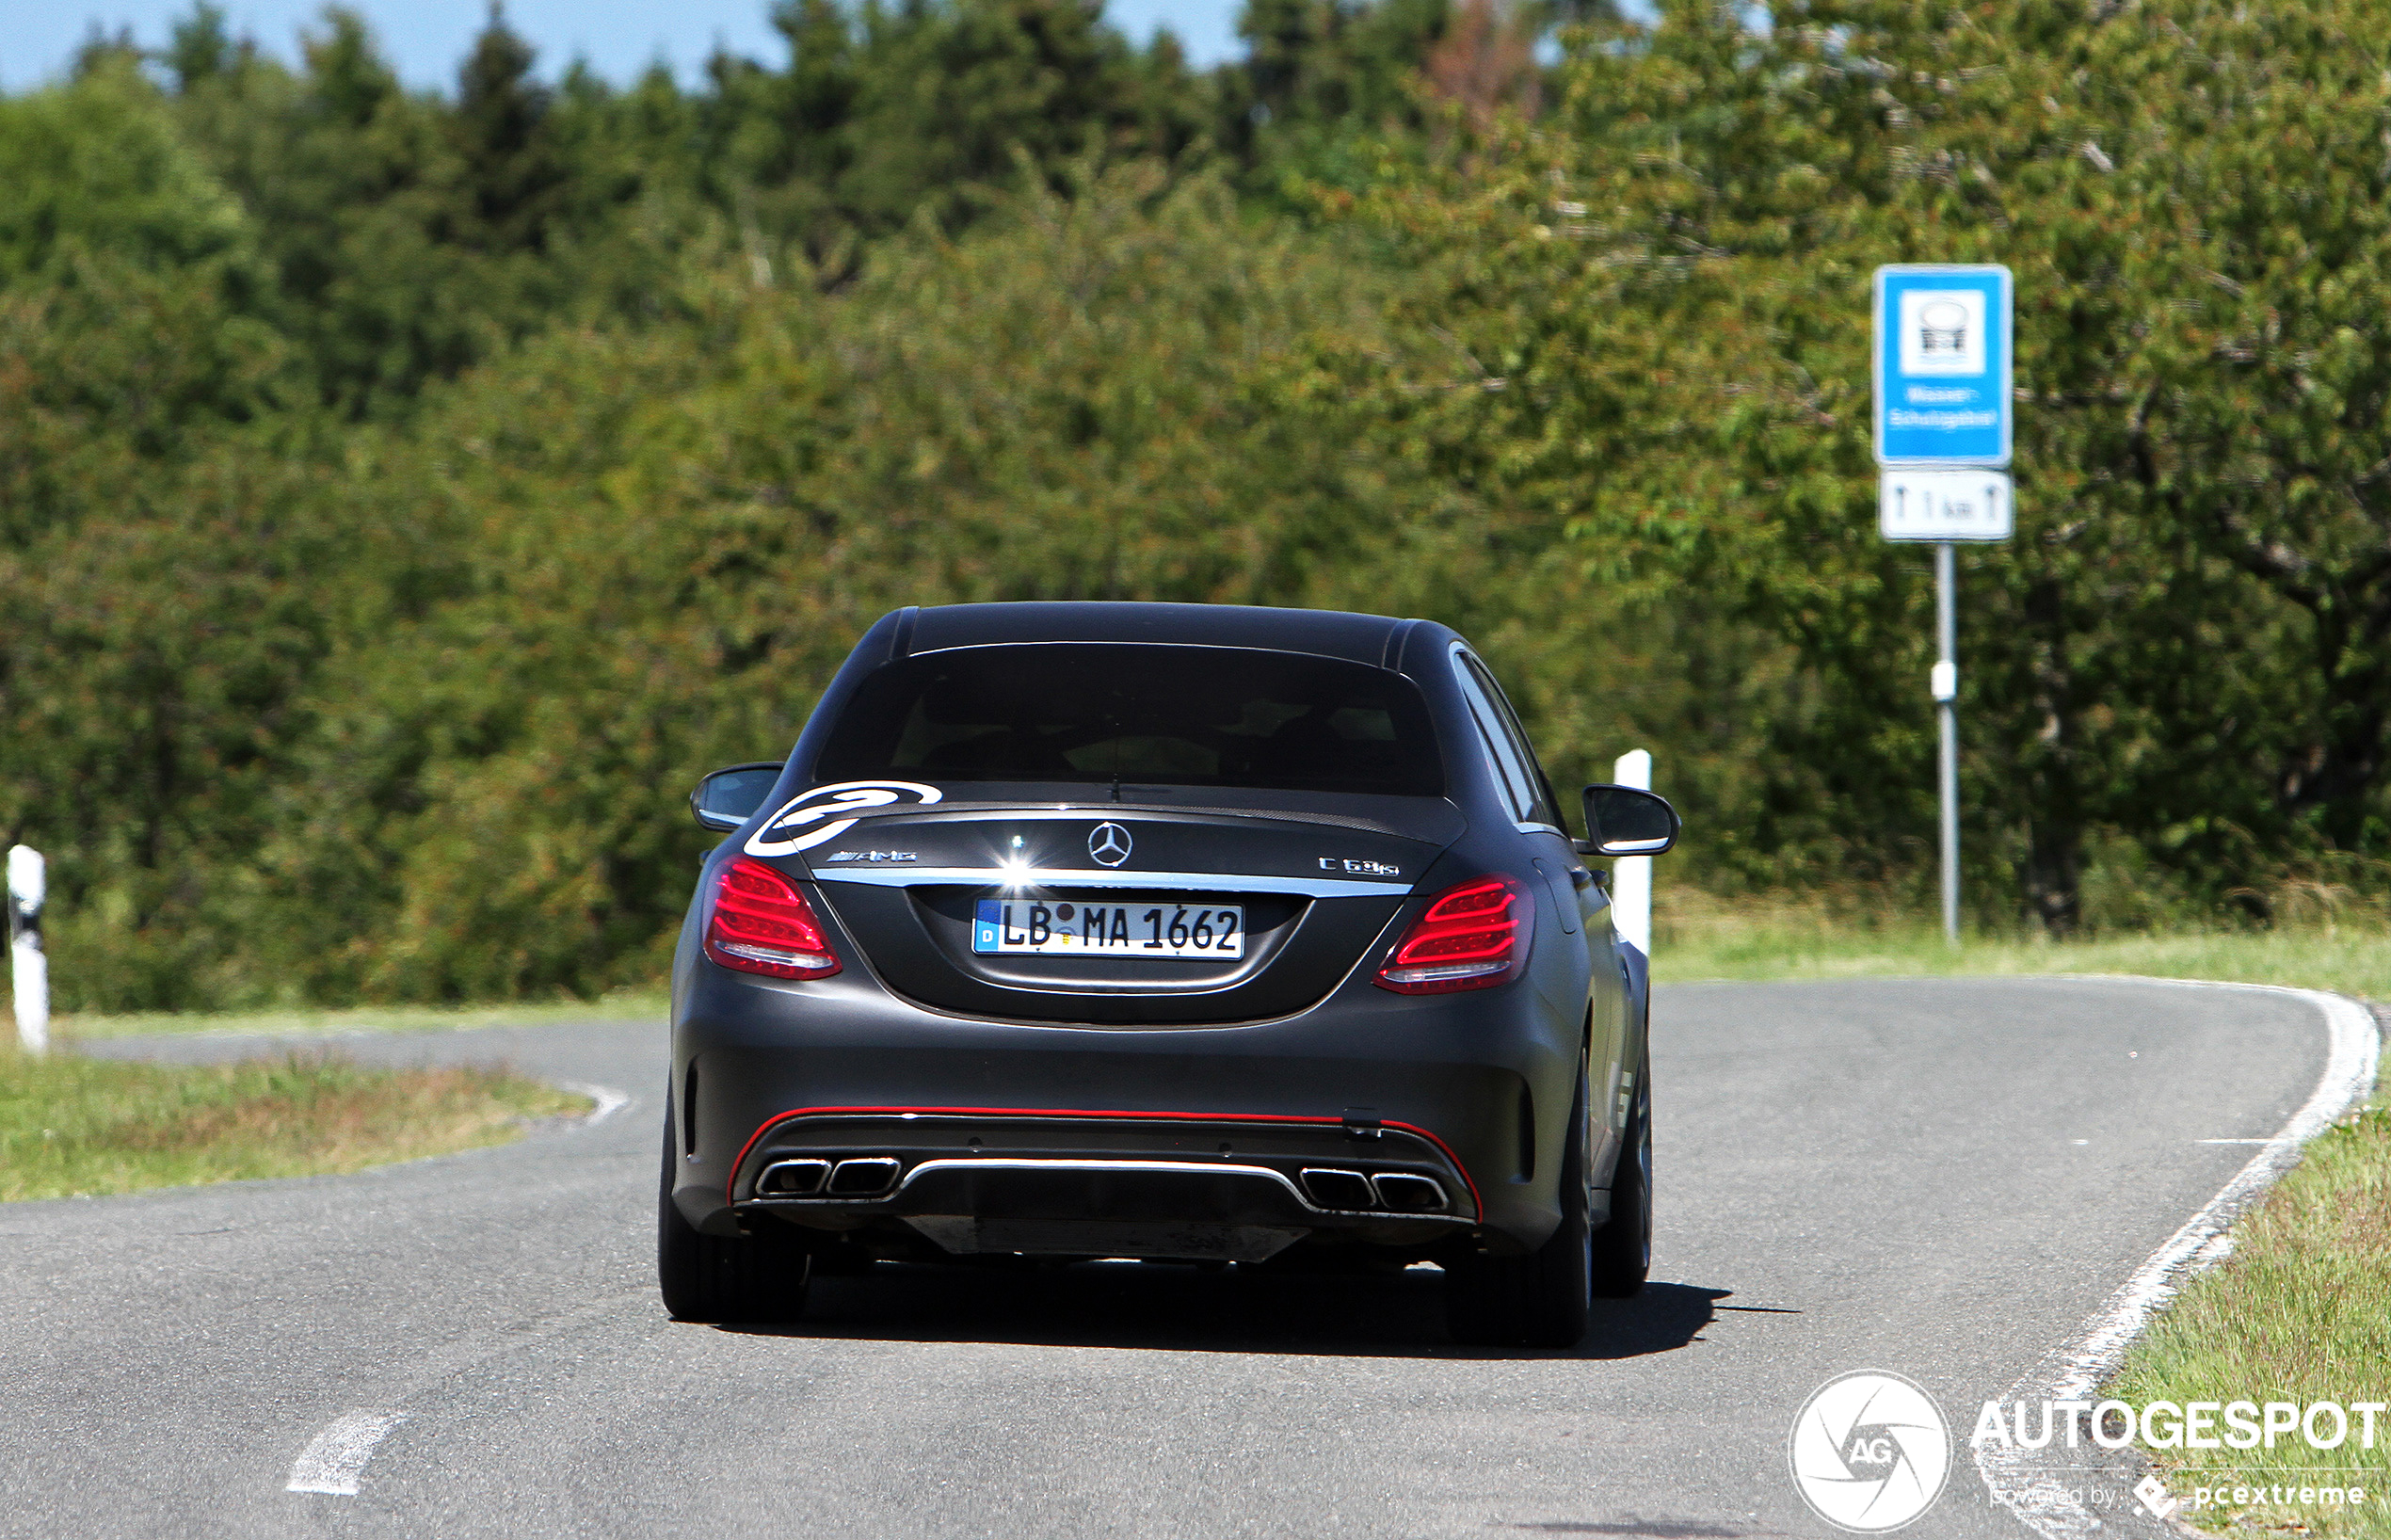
(1359, 868)
(820, 816)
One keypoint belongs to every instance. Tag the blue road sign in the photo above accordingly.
(1942, 367)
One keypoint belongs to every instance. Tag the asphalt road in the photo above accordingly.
(1939, 1178)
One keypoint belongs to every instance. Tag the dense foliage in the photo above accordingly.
(2181, 669)
(404, 496)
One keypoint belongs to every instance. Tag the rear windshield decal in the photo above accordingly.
(822, 814)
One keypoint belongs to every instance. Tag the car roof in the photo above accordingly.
(1374, 639)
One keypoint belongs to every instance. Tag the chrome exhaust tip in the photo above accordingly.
(792, 1178)
(1407, 1193)
(864, 1176)
(1346, 1189)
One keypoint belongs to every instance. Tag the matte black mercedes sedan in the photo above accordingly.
(1162, 931)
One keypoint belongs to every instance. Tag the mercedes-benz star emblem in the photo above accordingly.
(1108, 845)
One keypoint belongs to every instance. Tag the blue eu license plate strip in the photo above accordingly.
(1053, 927)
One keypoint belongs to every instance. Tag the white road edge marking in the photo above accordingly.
(609, 1099)
(331, 1463)
(2043, 1500)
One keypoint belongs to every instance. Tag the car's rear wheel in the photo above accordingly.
(1542, 1299)
(1623, 1247)
(726, 1278)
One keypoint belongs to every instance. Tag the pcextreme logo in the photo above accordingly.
(1869, 1451)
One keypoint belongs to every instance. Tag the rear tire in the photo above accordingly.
(1623, 1247)
(1542, 1299)
(759, 1277)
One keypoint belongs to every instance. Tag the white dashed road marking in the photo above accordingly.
(331, 1463)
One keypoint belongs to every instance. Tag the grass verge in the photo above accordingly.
(1698, 936)
(299, 1022)
(71, 1125)
(2300, 1312)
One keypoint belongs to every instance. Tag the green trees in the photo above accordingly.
(668, 540)
(2182, 652)
(405, 495)
(408, 236)
(154, 625)
(1321, 78)
(887, 113)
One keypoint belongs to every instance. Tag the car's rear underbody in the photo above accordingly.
(973, 1181)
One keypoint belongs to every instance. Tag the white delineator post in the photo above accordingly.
(29, 968)
(1632, 875)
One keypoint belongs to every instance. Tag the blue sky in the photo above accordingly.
(425, 39)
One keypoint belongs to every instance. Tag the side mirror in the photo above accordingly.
(728, 798)
(1629, 821)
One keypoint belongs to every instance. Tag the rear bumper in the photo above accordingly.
(981, 1180)
(991, 1124)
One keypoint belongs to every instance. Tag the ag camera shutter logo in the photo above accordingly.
(1869, 1451)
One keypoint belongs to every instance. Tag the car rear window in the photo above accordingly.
(1144, 713)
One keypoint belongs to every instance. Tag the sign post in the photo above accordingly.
(1943, 426)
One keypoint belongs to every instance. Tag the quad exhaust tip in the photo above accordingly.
(792, 1178)
(1346, 1189)
(863, 1177)
(1400, 1192)
(1407, 1193)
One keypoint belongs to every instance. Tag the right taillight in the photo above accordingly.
(1473, 936)
(763, 924)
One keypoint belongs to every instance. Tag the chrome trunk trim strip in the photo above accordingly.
(1059, 876)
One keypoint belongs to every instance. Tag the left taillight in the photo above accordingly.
(763, 924)
(1473, 936)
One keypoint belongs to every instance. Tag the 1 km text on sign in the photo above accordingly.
(1944, 505)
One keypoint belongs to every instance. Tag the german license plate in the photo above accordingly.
(1051, 928)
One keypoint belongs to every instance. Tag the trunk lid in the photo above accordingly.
(1315, 889)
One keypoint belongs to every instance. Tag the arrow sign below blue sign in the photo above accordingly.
(1943, 366)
